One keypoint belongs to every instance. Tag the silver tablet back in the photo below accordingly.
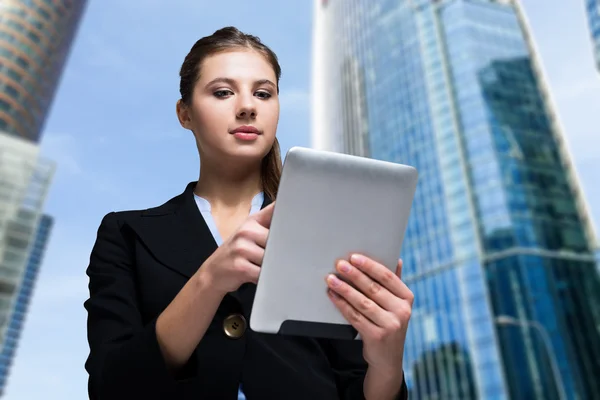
(328, 206)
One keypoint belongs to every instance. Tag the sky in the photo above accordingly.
(114, 135)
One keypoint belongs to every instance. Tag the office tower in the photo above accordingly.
(25, 178)
(593, 13)
(498, 250)
(24, 181)
(21, 303)
(35, 40)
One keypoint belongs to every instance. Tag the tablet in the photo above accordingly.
(328, 206)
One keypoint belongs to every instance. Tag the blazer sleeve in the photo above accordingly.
(125, 360)
(350, 368)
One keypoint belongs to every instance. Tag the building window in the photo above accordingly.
(23, 62)
(5, 106)
(12, 92)
(33, 36)
(43, 13)
(14, 75)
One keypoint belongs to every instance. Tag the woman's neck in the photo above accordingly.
(224, 187)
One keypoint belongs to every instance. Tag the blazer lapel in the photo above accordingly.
(177, 236)
(176, 233)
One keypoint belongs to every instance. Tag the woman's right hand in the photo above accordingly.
(238, 259)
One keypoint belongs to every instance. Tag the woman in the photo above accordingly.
(171, 287)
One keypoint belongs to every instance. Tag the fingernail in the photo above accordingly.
(333, 294)
(333, 280)
(344, 266)
(357, 259)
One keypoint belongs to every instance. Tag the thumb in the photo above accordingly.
(264, 216)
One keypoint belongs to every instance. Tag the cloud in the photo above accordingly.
(577, 89)
(157, 135)
(577, 95)
(68, 150)
(77, 163)
(62, 148)
(106, 55)
(62, 289)
(577, 105)
(294, 99)
(118, 63)
(50, 379)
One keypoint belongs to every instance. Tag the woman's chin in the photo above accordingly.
(246, 153)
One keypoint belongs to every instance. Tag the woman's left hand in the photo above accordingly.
(379, 308)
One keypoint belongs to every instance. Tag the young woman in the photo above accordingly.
(171, 287)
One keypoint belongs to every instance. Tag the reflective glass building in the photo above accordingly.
(499, 247)
(21, 302)
(35, 39)
(25, 178)
(593, 13)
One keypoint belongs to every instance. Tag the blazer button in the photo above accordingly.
(234, 326)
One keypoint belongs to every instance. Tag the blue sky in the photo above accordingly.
(115, 137)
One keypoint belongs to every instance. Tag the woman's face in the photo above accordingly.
(235, 107)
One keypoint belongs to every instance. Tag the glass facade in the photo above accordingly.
(498, 250)
(21, 302)
(593, 12)
(24, 181)
(35, 39)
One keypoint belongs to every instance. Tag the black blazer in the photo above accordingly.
(139, 262)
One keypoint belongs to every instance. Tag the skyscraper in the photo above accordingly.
(24, 182)
(35, 39)
(593, 13)
(21, 303)
(499, 247)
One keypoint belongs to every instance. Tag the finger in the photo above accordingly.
(254, 232)
(399, 269)
(381, 274)
(363, 325)
(253, 274)
(259, 235)
(370, 288)
(250, 251)
(407, 293)
(248, 270)
(358, 301)
(264, 216)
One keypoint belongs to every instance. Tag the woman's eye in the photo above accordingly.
(263, 95)
(223, 93)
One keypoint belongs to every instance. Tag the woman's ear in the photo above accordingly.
(183, 114)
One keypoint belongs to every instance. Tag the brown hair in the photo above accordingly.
(225, 39)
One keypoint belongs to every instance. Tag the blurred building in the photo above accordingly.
(499, 247)
(21, 302)
(35, 39)
(593, 12)
(24, 182)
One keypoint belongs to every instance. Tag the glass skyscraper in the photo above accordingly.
(593, 13)
(24, 181)
(499, 247)
(21, 302)
(35, 39)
